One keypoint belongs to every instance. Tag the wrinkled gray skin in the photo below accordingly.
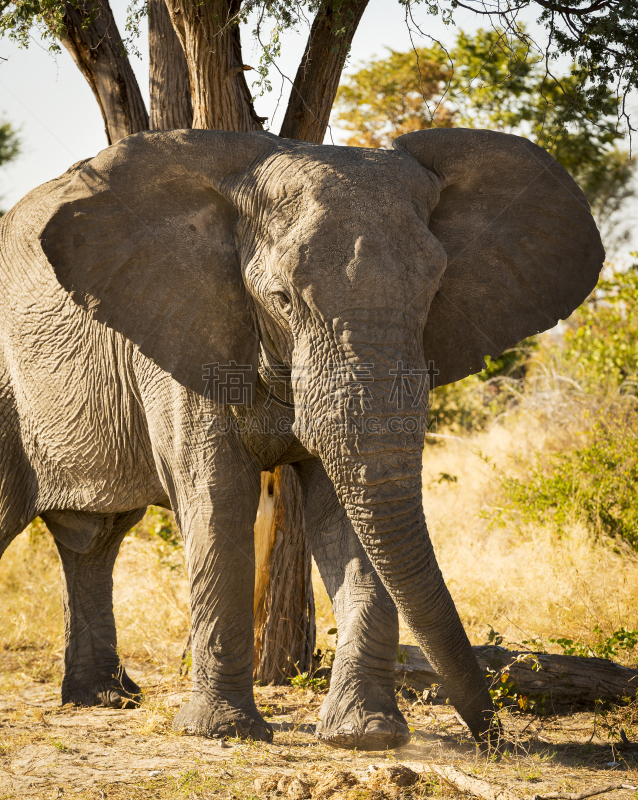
(170, 251)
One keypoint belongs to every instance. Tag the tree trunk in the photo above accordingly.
(94, 42)
(544, 682)
(209, 34)
(284, 601)
(317, 79)
(169, 84)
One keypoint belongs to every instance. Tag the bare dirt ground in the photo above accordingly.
(48, 751)
(526, 583)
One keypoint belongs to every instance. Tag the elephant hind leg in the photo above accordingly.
(14, 518)
(88, 545)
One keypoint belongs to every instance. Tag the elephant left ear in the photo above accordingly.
(523, 250)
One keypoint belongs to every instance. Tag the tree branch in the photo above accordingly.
(559, 8)
(317, 79)
(92, 38)
(169, 84)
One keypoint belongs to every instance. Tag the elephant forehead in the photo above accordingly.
(345, 220)
(371, 261)
(337, 215)
(342, 220)
(345, 184)
(326, 238)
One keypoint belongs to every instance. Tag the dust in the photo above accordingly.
(49, 751)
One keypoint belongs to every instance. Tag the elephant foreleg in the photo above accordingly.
(214, 490)
(88, 545)
(360, 709)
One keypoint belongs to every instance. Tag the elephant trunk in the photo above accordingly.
(387, 514)
(375, 462)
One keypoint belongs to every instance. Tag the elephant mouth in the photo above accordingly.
(276, 377)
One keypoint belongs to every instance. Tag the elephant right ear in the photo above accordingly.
(143, 240)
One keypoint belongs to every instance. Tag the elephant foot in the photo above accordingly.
(219, 719)
(117, 691)
(365, 718)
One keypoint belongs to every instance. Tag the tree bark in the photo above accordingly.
(317, 79)
(284, 601)
(209, 34)
(94, 42)
(169, 84)
(549, 682)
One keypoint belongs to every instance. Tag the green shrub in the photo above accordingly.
(306, 681)
(595, 483)
(604, 647)
(607, 647)
(600, 348)
(462, 406)
(472, 403)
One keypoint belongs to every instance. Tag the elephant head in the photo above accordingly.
(363, 271)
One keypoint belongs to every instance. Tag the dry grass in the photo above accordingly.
(523, 581)
(31, 626)
(47, 751)
(151, 596)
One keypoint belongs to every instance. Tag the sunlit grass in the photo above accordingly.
(524, 580)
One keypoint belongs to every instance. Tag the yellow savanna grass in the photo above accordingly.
(523, 580)
(526, 581)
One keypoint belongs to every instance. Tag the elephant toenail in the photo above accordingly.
(379, 726)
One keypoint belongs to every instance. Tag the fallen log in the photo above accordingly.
(408, 773)
(469, 784)
(542, 682)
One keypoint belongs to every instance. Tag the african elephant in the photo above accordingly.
(191, 308)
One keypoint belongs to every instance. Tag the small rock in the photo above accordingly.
(298, 789)
(222, 743)
(264, 786)
(334, 781)
(154, 773)
(394, 775)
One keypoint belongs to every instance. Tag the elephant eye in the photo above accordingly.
(284, 303)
